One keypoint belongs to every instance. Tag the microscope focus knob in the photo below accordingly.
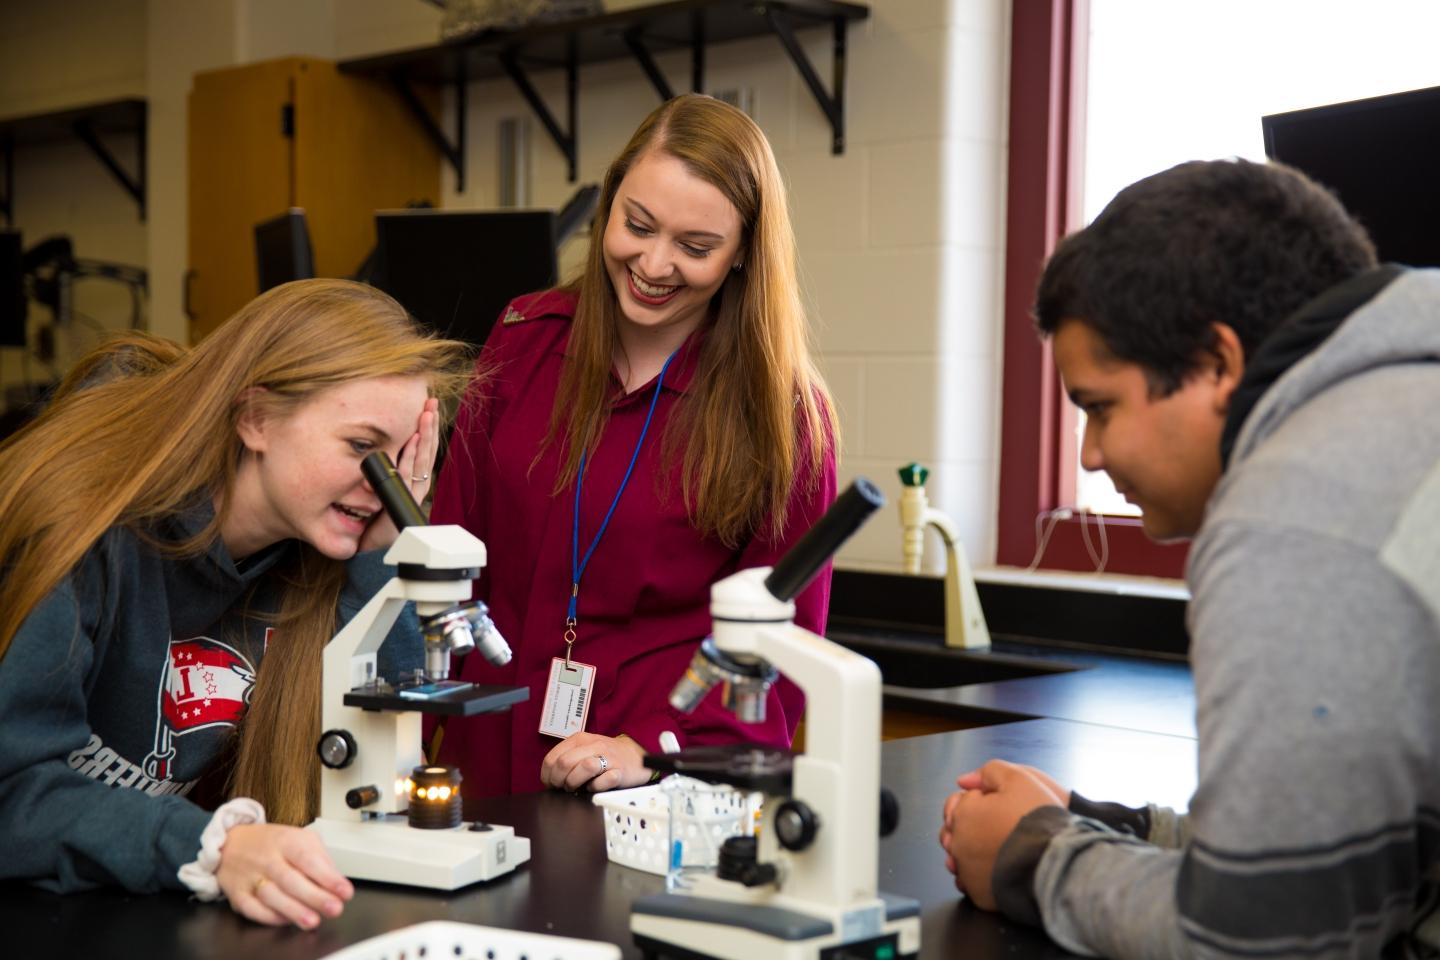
(795, 825)
(336, 749)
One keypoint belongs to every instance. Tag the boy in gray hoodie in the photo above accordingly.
(1253, 379)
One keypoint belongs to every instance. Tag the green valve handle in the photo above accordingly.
(913, 475)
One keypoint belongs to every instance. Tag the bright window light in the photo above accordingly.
(1171, 82)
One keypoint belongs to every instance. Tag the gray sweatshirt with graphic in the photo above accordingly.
(123, 687)
(1315, 628)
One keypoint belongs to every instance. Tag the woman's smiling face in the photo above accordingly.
(671, 241)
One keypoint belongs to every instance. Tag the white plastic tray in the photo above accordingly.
(637, 823)
(447, 940)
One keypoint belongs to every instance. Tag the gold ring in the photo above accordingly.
(255, 890)
(420, 479)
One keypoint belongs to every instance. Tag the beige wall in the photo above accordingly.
(92, 51)
(900, 237)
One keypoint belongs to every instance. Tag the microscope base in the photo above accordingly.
(698, 928)
(392, 851)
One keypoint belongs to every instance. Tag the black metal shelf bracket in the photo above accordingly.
(633, 40)
(697, 52)
(639, 33)
(135, 186)
(566, 141)
(833, 105)
(454, 153)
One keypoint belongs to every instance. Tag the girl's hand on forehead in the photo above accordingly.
(416, 464)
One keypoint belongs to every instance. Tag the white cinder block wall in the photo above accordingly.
(900, 237)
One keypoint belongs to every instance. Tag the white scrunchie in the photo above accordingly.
(199, 874)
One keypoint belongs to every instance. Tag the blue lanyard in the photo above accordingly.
(577, 563)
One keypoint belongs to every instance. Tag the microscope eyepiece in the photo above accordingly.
(390, 487)
(802, 561)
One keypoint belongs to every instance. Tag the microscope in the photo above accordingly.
(384, 814)
(965, 625)
(807, 886)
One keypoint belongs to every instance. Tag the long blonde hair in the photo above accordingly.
(757, 416)
(148, 430)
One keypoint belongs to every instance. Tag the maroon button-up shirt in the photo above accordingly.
(644, 596)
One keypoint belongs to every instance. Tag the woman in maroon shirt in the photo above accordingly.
(639, 435)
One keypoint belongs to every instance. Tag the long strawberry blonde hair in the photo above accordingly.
(757, 416)
(148, 429)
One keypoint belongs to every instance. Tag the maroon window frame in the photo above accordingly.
(1048, 65)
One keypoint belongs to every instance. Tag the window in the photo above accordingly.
(1167, 83)
(1102, 93)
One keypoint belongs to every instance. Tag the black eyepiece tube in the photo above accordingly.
(800, 564)
(390, 487)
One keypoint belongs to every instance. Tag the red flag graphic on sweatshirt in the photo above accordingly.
(208, 682)
(205, 683)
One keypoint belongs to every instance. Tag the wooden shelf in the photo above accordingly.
(87, 123)
(638, 33)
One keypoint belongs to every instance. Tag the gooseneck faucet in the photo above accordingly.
(964, 620)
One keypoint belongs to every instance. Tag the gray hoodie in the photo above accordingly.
(1315, 631)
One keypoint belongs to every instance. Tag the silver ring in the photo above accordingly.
(604, 764)
(420, 479)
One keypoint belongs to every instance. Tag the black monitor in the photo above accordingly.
(12, 291)
(282, 250)
(456, 269)
(1380, 156)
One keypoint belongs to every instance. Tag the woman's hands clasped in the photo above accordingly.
(588, 761)
(275, 875)
(416, 465)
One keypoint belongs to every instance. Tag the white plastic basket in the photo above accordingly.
(638, 831)
(448, 940)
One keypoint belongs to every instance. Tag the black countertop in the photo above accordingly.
(1016, 680)
(1110, 725)
(569, 888)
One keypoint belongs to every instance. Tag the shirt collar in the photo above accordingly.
(677, 379)
(191, 520)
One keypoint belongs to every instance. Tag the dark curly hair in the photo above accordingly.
(1245, 244)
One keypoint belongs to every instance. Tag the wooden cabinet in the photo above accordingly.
(295, 132)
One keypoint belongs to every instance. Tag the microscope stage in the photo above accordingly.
(461, 702)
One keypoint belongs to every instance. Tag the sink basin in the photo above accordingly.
(923, 666)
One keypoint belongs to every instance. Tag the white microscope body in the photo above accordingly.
(371, 743)
(818, 853)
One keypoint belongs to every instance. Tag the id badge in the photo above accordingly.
(567, 698)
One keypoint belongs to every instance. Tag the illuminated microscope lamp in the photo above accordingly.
(434, 793)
